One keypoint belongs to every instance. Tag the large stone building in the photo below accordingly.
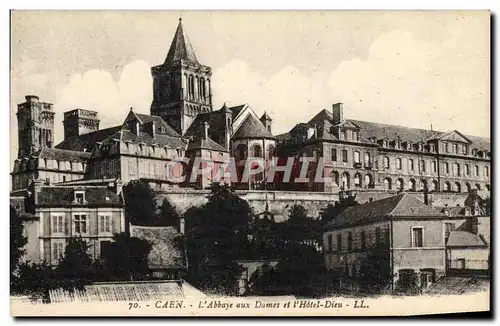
(183, 126)
(366, 155)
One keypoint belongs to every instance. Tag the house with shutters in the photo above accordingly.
(55, 213)
(408, 239)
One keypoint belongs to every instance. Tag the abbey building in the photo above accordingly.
(183, 123)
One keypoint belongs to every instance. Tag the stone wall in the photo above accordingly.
(280, 202)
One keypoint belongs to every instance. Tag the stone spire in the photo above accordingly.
(181, 48)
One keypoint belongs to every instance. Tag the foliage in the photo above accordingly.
(141, 207)
(17, 242)
(168, 214)
(217, 234)
(330, 212)
(374, 271)
(140, 203)
(127, 257)
(299, 227)
(220, 279)
(75, 268)
(37, 280)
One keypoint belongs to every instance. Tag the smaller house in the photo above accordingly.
(55, 213)
(399, 242)
(166, 259)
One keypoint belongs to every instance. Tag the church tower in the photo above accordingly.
(181, 85)
(35, 121)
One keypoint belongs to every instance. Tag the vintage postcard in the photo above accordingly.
(245, 163)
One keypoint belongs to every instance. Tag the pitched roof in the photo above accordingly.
(181, 48)
(165, 253)
(464, 239)
(64, 196)
(159, 140)
(161, 126)
(401, 205)
(324, 120)
(205, 143)
(62, 155)
(252, 128)
(86, 142)
(237, 109)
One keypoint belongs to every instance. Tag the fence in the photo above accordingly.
(130, 291)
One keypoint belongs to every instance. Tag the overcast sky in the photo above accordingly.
(407, 68)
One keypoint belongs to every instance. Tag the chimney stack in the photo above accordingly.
(338, 113)
(206, 130)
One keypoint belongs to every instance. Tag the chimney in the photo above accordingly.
(206, 126)
(137, 128)
(338, 113)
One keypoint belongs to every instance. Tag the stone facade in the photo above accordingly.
(95, 213)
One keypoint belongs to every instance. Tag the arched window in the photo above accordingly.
(191, 87)
(241, 152)
(467, 170)
(346, 182)
(487, 187)
(434, 167)
(387, 184)
(446, 168)
(256, 151)
(468, 187)
(399, 184)
(423, 184)
(458, 187)
(270, 151)
(486, 171)
(410, 165)
(357, 180)
(456, 169)
(434, 185)
(478, 186)
(447, 186)
(399, 165)
(476, 171)
(412, 185)
(335, 176)
(368, 181)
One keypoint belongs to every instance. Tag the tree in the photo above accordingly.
(76, 267)
(37, 280)
(217, 234)
(330, 212)
(168, 214)
(140, 203)
(127, 257)
(17, 242)
(299, 227)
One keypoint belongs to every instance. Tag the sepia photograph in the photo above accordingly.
(250, 163)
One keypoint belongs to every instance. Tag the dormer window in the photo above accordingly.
(79, 197)
(431, 148)
(355, 135)
(409, 146)
(386, 143)
(344, 134)
(397, 144)
(474, 152)
(420, 147)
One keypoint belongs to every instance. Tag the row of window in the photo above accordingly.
(80, 224)
(345, 156)
(456, 171)
(348, 134)
(143, 149)
(255, 151)
(381, 239)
